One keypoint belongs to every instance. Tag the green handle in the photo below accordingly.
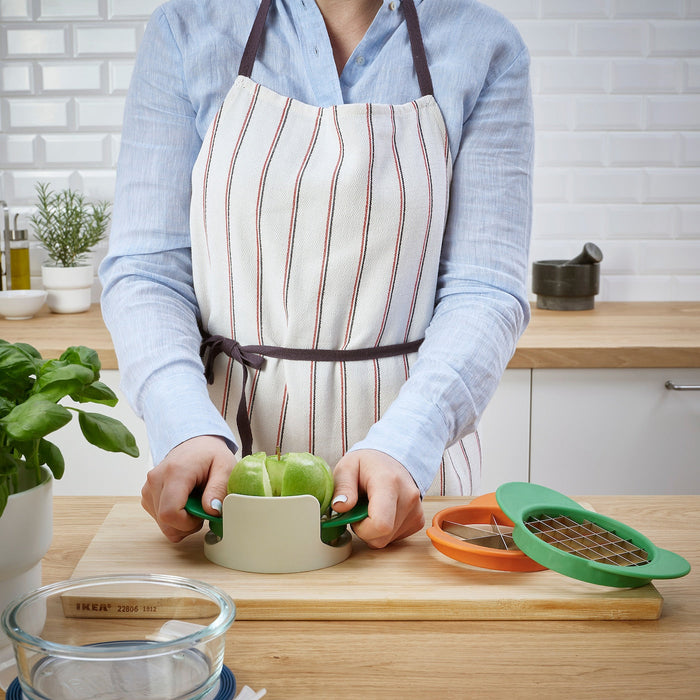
(357, 512)
(334, 527)
(331, 528)
(194, 507)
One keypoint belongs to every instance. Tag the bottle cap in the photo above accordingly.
(20, 234)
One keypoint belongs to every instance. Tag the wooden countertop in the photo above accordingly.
(613, 334)
(52, 333)
(450, 660)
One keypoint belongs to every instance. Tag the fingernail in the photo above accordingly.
(339, 499)
(216, 505)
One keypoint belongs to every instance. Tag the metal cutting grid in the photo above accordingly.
(586, 540)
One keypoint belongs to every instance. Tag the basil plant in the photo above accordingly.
(31, 389)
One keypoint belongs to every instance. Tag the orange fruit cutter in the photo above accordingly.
(479, 535)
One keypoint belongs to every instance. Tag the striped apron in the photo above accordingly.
(316, 237)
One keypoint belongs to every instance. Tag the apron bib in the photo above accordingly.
(316, 237)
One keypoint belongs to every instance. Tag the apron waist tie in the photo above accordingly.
(254, 356)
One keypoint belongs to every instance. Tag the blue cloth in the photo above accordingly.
(187, 62)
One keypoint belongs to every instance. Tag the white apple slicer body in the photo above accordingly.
(276, 534)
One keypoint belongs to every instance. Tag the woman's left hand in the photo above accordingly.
(395, 509)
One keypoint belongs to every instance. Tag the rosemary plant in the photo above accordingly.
(67, 226)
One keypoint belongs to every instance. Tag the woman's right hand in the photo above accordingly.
(203, 462)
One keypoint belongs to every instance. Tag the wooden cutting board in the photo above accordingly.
(409, 580)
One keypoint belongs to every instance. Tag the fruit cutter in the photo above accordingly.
(479, 534)
(560, 534)
(276, 534)
(527, 527)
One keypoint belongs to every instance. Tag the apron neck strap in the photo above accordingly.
(420, 61)
(251, 47)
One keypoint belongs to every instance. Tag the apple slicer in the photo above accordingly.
(276, 534)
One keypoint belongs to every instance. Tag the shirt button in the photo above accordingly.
(392, 6)
(316, 50)
(360, 60)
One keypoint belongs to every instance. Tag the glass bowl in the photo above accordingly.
(151, 637)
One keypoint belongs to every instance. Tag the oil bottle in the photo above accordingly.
(19, 258)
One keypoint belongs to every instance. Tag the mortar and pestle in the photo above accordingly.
(568, 285)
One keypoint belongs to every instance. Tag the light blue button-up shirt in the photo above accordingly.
(187, 62)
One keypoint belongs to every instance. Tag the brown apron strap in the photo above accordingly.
(420, 62)
(254, 356)
(251, 47)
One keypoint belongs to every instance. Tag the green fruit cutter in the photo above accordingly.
(276, 534)
(563, 536)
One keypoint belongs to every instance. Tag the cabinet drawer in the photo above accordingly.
(616, 431)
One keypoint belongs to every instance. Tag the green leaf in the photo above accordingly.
(17, 369)
(30, 350)
(97, 392)
(4, 494)
(9, 464)
(80, 355)
(107, 433)
(26, 450)
(16, 360)
(58, 379)
(50, 455)
(34, 418)
(5, 406)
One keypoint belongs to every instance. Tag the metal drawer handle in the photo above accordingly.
(680, 387)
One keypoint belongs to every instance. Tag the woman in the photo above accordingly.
(330, 201)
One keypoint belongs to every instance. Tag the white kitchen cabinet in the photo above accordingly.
(615, 431)
(94, 472)
(504, 432)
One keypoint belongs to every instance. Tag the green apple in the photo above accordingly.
(249, 476)
(291, 474)
(303, 473)
(276, 466)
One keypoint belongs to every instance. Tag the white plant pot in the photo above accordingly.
(26, 528)
(69, 289)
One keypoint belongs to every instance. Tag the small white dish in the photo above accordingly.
(21, 304)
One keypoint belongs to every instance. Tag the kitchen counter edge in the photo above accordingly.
(612, 335)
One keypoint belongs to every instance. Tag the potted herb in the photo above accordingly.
(31, 391)
(68, 228)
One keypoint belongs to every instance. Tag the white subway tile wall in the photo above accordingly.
(616, 88)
